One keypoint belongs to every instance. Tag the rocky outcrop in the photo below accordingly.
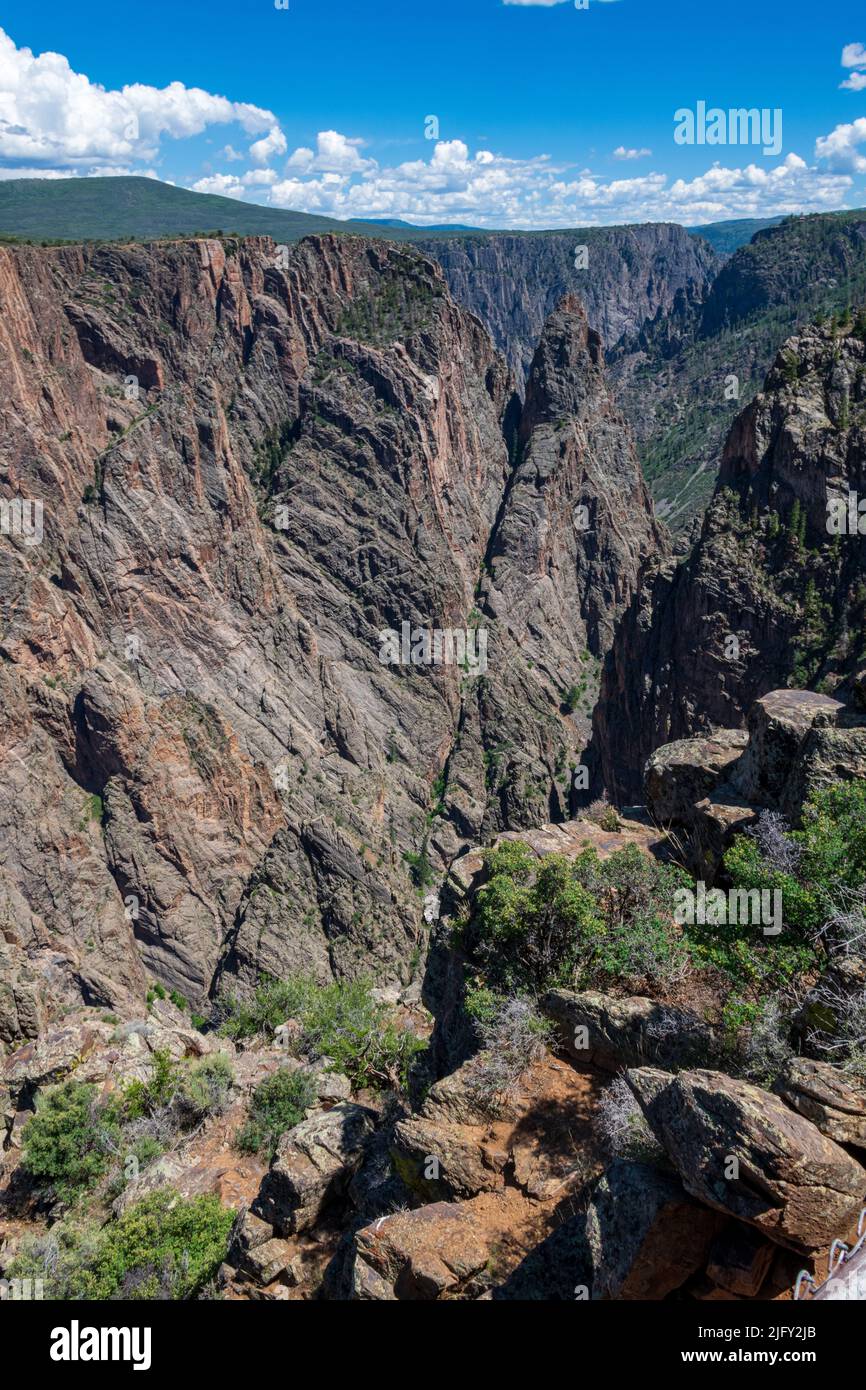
(744, 1152)
(313, 1167)
(834, 1101)
(419, 1256)
(612, 1033)
(797, 744)
(770, 597)
(678, 775)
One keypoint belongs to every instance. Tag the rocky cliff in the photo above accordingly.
(514, 282)
(773, 593)
(249, 472)
(685, 376)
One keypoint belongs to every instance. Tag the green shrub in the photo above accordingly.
(828, 858)
(143, 1098)
(340, 1021)
(203, 1089)
(163, 1247)
(278, 1104)
(272, 1003)
(68, 1144)
(571, 698)
(481, 1005)
(539, 924)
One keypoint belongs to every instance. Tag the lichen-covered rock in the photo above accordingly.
(419, 1255)
(313, 1167)
(612, 1033)
(743, 1151)
(680, 774)
(779, 724)
(832, 1099)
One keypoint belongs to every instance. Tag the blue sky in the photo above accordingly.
(547, 115)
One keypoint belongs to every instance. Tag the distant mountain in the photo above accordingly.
(411, 226)
(727, 237)
(678, 310)
(764, 566)
(141, 209)
(513, 281)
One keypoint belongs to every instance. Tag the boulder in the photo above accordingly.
(264, 1263)
(445, 1161)
(249, 1232)
(419, 1255)
(743, 1151)
(833, 751)
(680, 774)
(645, 1234)
(626, 1032)
(779, 724)
(313, 1166)
(830, 1098)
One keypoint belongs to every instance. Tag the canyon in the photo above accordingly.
(250, 467)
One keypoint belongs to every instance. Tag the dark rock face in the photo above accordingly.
(646, 1235)
(674, 379)
(575, 527)
(253, 466)
(768, 598)
(513, 283)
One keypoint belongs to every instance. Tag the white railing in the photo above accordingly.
(846, 1275)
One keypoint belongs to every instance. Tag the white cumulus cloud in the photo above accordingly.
(841, 148)
(264, 150)
(854, 56)
(489, 189)
(334, 154)
(55, 117)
